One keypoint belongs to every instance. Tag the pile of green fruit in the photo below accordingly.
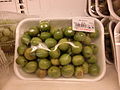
(66, 61)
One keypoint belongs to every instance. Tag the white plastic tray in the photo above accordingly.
(26, 23)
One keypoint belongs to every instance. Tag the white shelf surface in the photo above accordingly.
(109, 82)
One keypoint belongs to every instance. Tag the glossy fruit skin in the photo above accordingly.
(67, 71)
(25, 39)
(41, 53)
(30, 67)
(79, 72)
(63, 46)
(54, 72)
(94, 35)
(55, 62)
(54, 53)
(94, 69)
(68, 32)
(33, 31)
(50, 42)
(65, 59)
(44, 26)
(45, 35)
(28, 54)
(21, 49)
(21, 61)
(35, 41)
(79, 36)
(58, 35)
(87, 52)
(78, 60)
(92, 59)
(77, 50)
(41, 73)
(44, 63)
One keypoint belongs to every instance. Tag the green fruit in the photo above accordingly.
(68, 32)
(45, 35)
(50, 42)
(44, 63)
(79, 72)
(94, 35)
(54, 53)
(53, 30)
(87, 40)
(94, 48)
(4, 39)
(77, 50)
(44, 26)
(29, 54)
(6, 32)
(33, 31)
(93, 70)
(65, 59)
(54, 72)
(21, 49)
(41, 53)
(85, 67)
(67, 71)
(55, 62)
(35, 41)
(41, 73)
(58, 35)
(21, 61)
(63, 46)
(87, 52)
(92, 59)
(25, 39)
(78, 60)
(30, 67)
(79, 36)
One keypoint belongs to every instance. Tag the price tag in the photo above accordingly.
(84, 24)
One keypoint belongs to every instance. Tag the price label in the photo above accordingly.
(84, 24)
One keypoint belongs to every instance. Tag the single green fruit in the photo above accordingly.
(65, 59)
(41, 53)
(4, 39)
(44, 26)
(85, 67)
(41, 73)
(25, 39)
(53, 30)
(67, 71)
(21, 49)
(45, 35)
(30, 67)
(44, 63)
(78, 49)
(87, 40)
(78, 60)
(79, 72)
(54, 53)
(63, 46)
(93, 70)
(94, 35)
(6, 32)
(21, 61)
(54, 72)
(58, 35)
(94, 48)
(33, 31)
(87, 52)
(68, 32)
(79, 36)
(92, 59)
(50, 42)
(35, 41)
(29, 54)
(55, 62)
